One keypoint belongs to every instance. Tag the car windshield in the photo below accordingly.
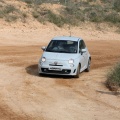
(62, 46)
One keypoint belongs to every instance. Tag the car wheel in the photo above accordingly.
(40, 74)
(88, 66)
(78, 72)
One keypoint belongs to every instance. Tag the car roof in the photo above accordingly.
(71, 38)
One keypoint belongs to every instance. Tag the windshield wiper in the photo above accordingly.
(59, 51)
(64, 51)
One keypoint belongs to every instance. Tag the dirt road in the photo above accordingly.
(25, 95)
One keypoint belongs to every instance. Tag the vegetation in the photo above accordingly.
(56, 19)
(113, 78)
(73, 13)
(84, 11)
(117, 5)
(38, 2)
(10, 13)
(6, 13)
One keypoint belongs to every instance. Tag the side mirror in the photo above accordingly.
(83, 50)
(43, 48)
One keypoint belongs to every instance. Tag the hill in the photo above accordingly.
(61, 12)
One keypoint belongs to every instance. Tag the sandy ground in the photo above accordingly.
(26, 96)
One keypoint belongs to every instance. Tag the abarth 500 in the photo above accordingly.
(65, 56)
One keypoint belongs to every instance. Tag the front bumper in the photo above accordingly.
(57, 70)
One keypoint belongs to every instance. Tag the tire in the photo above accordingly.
(78, 72)
(88, 66)
(40, 74)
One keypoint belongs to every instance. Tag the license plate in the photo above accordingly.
(56, 69)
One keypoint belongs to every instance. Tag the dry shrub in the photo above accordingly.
(113, 78)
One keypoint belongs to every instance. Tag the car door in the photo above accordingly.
(83, 55)
(86, 52)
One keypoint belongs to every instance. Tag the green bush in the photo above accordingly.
(1, 14)
(113, 17)
(24, 15)
(35, 14)
(40, 14)
(10, 13)
(43, 15)
(9, 9)
(38, 2)
(11, 18)
(56, 19)
(6, 10)
(117, 5)
(113, 78)
(28, 1)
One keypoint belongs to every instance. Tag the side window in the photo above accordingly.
(81, 45)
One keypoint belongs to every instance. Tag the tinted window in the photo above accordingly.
(64, 46)
(82, 45)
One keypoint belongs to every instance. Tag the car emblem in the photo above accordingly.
(55, 63)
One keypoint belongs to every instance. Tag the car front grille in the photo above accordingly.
(55, 65)
(63, 71)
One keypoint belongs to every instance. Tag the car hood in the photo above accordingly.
(59, 56)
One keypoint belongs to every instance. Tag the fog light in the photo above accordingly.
(74, 70)
(45, 70)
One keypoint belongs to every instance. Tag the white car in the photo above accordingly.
(65, 56)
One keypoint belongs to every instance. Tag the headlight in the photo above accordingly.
(43, 59)
(71, 61)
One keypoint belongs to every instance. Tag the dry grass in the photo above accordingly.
(73, 13)
(10, 13)
(113, 78)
